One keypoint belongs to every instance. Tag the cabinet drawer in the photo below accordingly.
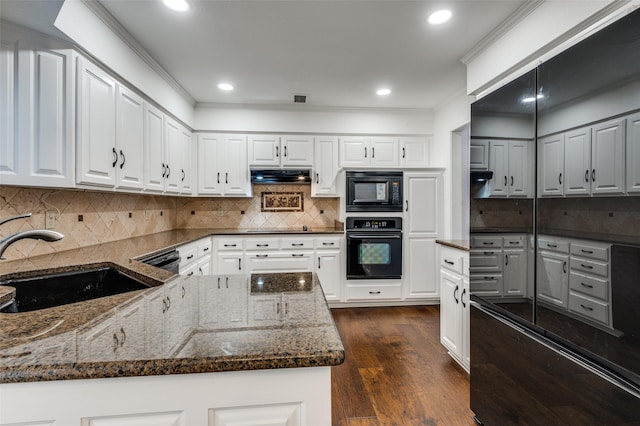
(593, 251)
(590, 266)
(451, 260)
(553, 245)
(514, 241)
(593, 286)
(296, 243)
(485, 261)
(486, 242)
(328, 242)
(226, 244)
(598, 311)
(373, 292)
(204, 247)
(262, 244)
(486, 285)
(279, 262)
(188, 254)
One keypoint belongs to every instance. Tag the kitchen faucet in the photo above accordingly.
(36, 234)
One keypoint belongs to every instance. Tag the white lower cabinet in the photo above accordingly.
(274, 309)
(420, 276)
(223, 304)
(454, 303)
(278, 415)
(155, 419)
(195, 258)
(553, 278)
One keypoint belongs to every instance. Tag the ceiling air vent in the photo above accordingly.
(300, 99)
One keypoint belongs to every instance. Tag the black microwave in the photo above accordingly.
(374, 192)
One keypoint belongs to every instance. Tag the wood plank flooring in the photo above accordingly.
(396, 372)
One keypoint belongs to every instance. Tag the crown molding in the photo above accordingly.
(107, 18)
(313, 108)
(512, 20)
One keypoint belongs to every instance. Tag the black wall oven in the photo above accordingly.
(374, 248)
(374, 191)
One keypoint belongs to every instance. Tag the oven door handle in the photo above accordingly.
(374, 236)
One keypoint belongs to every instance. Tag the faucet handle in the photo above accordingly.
(20, 216)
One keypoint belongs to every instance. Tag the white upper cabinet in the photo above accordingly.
(173, 156)
(414, 152)
(633, 153)
(608, 157)
(97, 155)
(280, 151)
(551, 165)
(38, 116)
(577, 162)
(363, 151)
(499, 164)
(511, 163)
(187, 166)
(129, 139)
(479, 155)
(423, 195)
(325, 169)
(155, 168)
(222, 165)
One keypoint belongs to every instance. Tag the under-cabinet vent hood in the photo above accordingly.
(284, 176)
(481, 177)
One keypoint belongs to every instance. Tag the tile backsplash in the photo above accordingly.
(500, 213)
(90, 217)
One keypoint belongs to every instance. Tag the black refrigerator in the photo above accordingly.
(564, 348)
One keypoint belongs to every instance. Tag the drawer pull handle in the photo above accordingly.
(374, 292)
(586, 251)
(262, 245)
(586, 266)
(230, 245)
(586, 285)
(513, 243)
(297, 244)
(190, 274)
(297, 255)
(262, 255)
(448, 262)
(190, 257)
(586, 308)
(487, 243)
(490, 278)
(488, 253)
(206, 249)
(328, 244)
(552, 245)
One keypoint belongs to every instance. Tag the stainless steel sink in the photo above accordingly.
(46, 291)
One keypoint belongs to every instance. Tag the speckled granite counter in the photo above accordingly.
(220, 324)
(456, 244)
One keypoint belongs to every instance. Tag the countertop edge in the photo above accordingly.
(456, 244)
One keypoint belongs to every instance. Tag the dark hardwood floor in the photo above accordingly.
(396, 372)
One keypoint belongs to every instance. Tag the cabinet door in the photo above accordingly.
(420, 273)
(9, 143)
(499, 164)
(97, 155)
(514, 272)
(265, 310)
(129, 138)
(479, 155)
(204, 266)
(210, 302)
(325, 167)
(450, 311)
(46, 118)
(553, 281)
(551, 165)
(414, 152)
(236, 175)
(173, 155)
(354, 151)
(264, 150)
(466, 325)
(99, 343)
(297, 151)
(519, 162)
(131, 332)
(154, 166)
(229, 263)
(187, 168)
(423, 200)
(633, 154)
(385, 152)
(577, 162)
(607, 158)
(328, 271)
(209, 162)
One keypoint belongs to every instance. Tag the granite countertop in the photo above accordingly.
(456, 244)
(51, 344)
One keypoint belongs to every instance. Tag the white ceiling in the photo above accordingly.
(337, 52)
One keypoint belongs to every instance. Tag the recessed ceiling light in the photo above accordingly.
(179, 5)
(530, 99)
(383, 92)
(439, 17)
(225, 86)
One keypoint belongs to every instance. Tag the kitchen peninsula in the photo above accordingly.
(188, 350)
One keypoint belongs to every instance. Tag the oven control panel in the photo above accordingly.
(372, 223)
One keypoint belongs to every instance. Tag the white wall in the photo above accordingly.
(313, 120)
(449, 117)
(492, 126)
(82, 26)
(548, 26)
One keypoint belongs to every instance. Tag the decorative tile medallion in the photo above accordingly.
(282, 202)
